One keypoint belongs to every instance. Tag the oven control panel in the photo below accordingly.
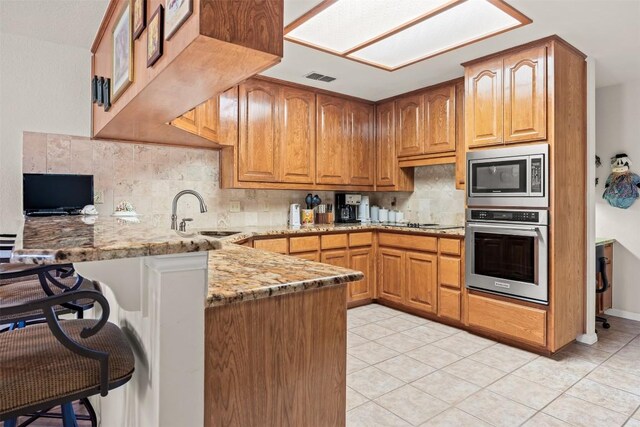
(510, 216)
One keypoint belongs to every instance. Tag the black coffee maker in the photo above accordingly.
(347, 207)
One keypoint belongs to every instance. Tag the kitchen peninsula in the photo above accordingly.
(159, 282)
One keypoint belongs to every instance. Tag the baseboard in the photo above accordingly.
(624, 314)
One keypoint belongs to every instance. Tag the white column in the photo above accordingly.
(159, 303)
(590, 337)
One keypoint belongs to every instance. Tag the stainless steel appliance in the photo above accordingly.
(507, 252)
(294, 215)
(515, 176)
(347, 207)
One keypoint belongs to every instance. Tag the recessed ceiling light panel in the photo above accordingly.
(391, 34)
(459, 26)
(347, 24)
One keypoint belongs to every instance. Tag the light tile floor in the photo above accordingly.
(403, 370)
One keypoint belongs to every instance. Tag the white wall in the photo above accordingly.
(618, 130)
(43, 87)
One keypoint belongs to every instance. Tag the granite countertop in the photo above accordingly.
(245, 233)
(55, 240)
(238, 273)
(604, 241)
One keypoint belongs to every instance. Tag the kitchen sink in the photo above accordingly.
(218, 233)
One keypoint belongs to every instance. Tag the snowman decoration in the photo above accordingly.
(622, 186)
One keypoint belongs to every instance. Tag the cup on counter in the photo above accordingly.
(307, 216)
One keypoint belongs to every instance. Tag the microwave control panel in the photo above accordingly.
(507, 216)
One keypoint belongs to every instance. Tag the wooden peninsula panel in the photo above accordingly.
(277, 361)
(216, 48)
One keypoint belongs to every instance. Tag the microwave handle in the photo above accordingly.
(503, 227)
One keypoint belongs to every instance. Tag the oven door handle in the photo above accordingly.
(504, 227)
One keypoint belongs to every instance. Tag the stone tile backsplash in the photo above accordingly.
(149, 176)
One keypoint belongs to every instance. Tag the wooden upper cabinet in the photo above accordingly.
(484, 106)
(440, 111)
(360, 128)
(421, 281)
(409, 125)
(187, 122)
(391, 274)
(525, 95)
(361, 259)
(386, 161)
(298, 136)
(332, 161)
(461, 154)
(258, 146)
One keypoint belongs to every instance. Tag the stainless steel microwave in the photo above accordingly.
(509, 177)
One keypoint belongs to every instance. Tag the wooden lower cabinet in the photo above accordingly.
(279, 245)
(309, 256)
(390, 274)
(337, 257)
(361, 259)
(515, 321)
(449, 304)
(262, 371)
(421, 280)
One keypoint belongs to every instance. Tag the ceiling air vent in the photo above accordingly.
(321, 77)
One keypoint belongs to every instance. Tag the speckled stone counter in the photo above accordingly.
(245, 233)
(238, 273)
(54, 240)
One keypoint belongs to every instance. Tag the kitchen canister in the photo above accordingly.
(384, 215)
(392, 217)
(399, 217)
(307, 216)
(375, 213)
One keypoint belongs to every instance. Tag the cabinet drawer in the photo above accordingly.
(333, 241)
(272, 245)
(360, 239)
(522, 323)
(449, 304)
(407, 241)
(450, 246)
(449, 271)
(304, 244)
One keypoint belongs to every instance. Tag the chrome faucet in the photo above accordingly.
(174, 208)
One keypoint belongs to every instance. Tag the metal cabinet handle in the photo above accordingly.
(503, 227)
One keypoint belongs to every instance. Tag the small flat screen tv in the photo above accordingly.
(56, 192)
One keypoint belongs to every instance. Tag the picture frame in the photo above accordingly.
(176, 12)
(139, 17)
(122, 53)
(154, 36)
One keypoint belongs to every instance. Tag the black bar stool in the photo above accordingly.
(60, 361)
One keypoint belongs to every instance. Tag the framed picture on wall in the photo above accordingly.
(154, 37)
(122, 53)
(139, 17)
(176, 13)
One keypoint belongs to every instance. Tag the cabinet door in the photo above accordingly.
(461, 151)
(525, 95)
(410, 125)
(361, 259)
(309, 256)
(258, 147)
(298, 135)
(483, 97)
(421, 281)
(386, 161)
(332, 162)
(361, 143)
(440, 110)
(218, 118)
(337, 257)
(188, 121)
(449, 304)
(391, 274)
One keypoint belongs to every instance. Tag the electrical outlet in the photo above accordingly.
(98, 197)
(234, 206)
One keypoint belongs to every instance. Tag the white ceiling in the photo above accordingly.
(607, 30)
(70, 22)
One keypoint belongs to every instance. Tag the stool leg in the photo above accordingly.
(11, 423)
(68, 416)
